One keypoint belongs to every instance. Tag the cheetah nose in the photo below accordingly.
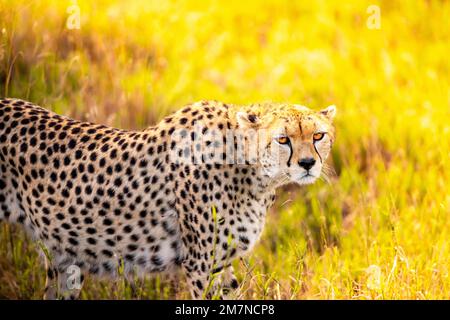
(307, 163)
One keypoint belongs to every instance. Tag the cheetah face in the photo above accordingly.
(296, 141)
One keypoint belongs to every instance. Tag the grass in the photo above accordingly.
(379, 230)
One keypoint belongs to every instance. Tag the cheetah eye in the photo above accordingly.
(282, 140)
(318, 136)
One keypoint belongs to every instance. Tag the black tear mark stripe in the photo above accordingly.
(317, 152)
(290, 148)
(290, 154)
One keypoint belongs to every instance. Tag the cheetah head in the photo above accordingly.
(293, 141)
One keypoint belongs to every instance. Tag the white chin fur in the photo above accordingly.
(305, 180)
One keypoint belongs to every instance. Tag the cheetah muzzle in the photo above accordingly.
(190, 193)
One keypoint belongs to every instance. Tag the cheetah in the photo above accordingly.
(189, 193)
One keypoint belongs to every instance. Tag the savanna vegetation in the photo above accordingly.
(378, 229)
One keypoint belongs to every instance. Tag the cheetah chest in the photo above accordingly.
(242, 230)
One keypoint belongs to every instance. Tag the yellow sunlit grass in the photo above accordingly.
(379, 230)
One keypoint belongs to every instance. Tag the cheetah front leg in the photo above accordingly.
(70, 283)
(51, 281)
(206, 277)
(64, 284)
(229, 283)
(210, 285)
(197, 279)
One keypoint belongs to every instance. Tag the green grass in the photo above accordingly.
(379, 230)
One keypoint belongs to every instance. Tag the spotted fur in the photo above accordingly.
(100, 198)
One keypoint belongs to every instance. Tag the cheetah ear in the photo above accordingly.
(247, 120)
(329, 112)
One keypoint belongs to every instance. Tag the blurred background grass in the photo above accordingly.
(380, 230)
